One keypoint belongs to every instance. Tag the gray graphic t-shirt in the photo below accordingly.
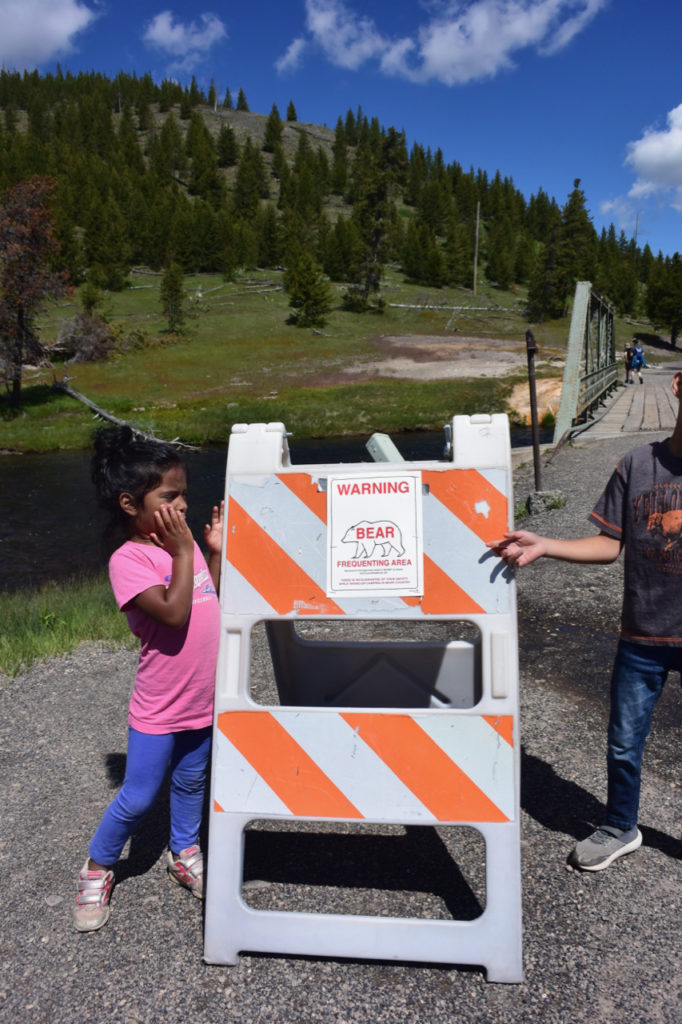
(642, 507)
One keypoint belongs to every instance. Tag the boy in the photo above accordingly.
(640, 511)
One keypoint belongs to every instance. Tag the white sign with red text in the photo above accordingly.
(374, 535)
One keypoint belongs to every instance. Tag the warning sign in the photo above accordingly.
(374, 535)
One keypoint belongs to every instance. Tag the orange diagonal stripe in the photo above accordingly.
(442, 596)
(502, 724)
(424, 768)
(270, 570)
(285, 766)
(460, 490)
(305, 489)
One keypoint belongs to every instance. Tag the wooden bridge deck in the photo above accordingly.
(637, 407)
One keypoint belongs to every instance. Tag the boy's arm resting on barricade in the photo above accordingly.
(213, 538)
(521, 547)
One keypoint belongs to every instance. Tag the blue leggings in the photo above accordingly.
(148, 758)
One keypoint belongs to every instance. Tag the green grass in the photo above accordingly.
(55, 619)
(239, 361)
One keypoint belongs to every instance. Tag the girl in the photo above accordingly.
(169, 595)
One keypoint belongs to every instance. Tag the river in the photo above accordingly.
(51, 526)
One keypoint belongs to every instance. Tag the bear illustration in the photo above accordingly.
(668, 524)
(367, 537)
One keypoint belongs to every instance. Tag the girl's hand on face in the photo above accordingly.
(213, 531)
(172, 532)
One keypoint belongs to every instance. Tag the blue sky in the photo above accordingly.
(546, 91)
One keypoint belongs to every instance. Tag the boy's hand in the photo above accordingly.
(213, 531)
(520, 547)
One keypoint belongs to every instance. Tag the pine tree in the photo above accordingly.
(172, 294)
(309, 294)
(251, 181)
(577, 245)
(339, 177)
(273, 130)
(227, 102)
(664, 294)
(371, 214)
(241, 102)
(500, 265)
(291, 112)
(227, 147)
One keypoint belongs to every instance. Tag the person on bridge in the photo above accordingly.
(640, 511)
(637, 361)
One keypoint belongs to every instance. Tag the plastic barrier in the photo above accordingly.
(404, 733)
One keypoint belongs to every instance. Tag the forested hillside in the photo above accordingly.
(157, 174)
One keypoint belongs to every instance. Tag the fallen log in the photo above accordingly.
(63, 388)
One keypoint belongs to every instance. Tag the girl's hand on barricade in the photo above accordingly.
(213, 531)
(519, 548)
(172, 532)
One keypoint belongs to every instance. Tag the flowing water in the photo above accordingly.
(50, 526)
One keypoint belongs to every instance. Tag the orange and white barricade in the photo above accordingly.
(416, 734)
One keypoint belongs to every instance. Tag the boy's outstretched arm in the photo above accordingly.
(521, 547)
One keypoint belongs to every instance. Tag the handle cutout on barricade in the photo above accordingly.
(402, 664)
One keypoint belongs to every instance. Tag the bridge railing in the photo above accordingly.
(591, 370)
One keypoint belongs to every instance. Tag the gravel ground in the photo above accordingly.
(602, 946)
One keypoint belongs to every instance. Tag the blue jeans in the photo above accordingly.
(187, 754)
(639, 675)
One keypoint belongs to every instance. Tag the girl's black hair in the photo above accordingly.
(125, 462)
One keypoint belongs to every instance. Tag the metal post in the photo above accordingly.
(531, 349)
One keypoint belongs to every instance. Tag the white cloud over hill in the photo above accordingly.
(457, 43)
(35, 31)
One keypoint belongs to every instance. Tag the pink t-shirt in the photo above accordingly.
(175, 679)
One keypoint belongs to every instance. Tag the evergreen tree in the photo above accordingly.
(500, 266)
(273, 130)
(545, 299)
(227, 102)
(422, 260)
(227, 148)
(371, 214)
(241, 102)
(291, 112)
(339, 176)
(458, 253)
(576, 255)
(172, 294)
(569, 255)
(212, 95)
(664, 294)
(251, 182)
(309, 294)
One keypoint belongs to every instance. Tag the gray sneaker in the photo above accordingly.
(604, 846)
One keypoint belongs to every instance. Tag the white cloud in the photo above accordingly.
(347, 39)
(656, 159)
(188, 42)
(37, 31)
(460, 42)
(292, 58)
